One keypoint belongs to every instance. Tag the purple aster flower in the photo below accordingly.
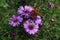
(15, 20)
(38, 20)
(25, 11)
(30, 27)
(50, 4)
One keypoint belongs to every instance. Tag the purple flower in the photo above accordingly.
(38, 21)
(23, 1)
(15, 20)
(25, 11)
(13, 33)
(52, 21)
(50, 4)
(30, 27)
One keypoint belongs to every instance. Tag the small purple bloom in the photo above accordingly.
(13, 33)
(15, 20)
(38, 21)
(25, 11)
(23, 1)
(30, 27)
(50, 4)
(52, 21)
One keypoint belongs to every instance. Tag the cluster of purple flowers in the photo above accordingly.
(31, 26)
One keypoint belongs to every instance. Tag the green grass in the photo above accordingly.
(47, 32)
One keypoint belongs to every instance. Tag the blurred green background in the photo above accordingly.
(47, 32)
